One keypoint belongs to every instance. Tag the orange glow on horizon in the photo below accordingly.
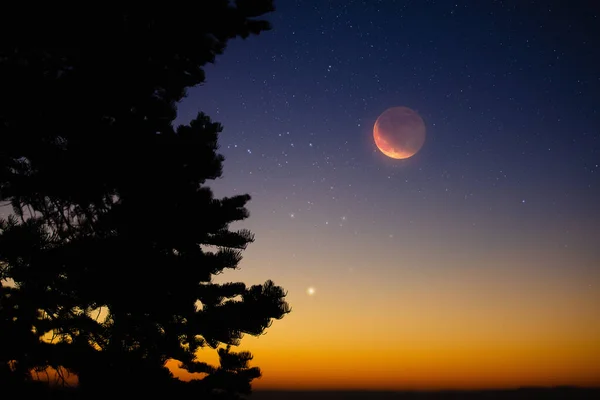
(450, 334)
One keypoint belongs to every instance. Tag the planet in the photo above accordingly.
(399, 132)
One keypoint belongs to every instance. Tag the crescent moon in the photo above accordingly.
(399, 132)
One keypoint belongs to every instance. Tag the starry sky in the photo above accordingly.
(474, 263)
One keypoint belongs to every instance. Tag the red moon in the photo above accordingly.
(399, 132)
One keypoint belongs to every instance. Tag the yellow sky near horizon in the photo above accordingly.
(445, 331)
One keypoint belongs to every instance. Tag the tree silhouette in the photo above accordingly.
(107, 259)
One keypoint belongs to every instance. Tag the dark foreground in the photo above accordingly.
(533, 393)
(41, 391)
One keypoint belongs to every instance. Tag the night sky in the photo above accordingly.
(474, 263)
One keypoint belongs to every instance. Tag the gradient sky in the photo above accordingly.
(475, 263)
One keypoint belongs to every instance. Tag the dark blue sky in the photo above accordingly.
(508, 91)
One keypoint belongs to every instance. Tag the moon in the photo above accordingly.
(399, 132)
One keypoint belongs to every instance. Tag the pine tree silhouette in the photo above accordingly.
(107, 258)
